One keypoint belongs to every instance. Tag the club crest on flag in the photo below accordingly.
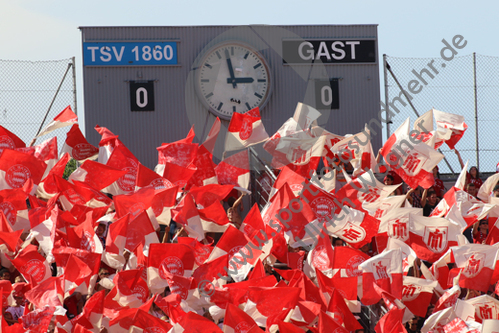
(474, 264)
(352, 266)
(412, 163)
(487, 310)
(352, 233)
(73, 197)
(380, 268)
(177, 288)
(6, 142)
(154, 330)
(242, 327)
(381, 211)
(161, 183)
(372, 195)
(127, 181)
(322, 208)
(235, 253)
(172, 265)
(9, 211)
(136, 209)
(410, 292)
(87, 242)
(320, 259)
(297, 155)
(246, 129)
(436, 238)
(17, 175)
(34, 268)
(82, 151)
(399, 228)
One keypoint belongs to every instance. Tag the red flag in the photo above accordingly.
(107, 143)
(9, 140)
(187, 215)
(236, 320)
(205, 173)
(77, 146)
(194, 323)
(32, 264)
(166, 260)
(76, 273)
(122, 159)
(384, 270)
(96, 175)
(448, 299)
(49, 292)
(328, 324)
(65, 118)
(149, 323)
(147, 177)
(201, 251)
(347, 260)
(13, 205)
(16, 168)
(177, 174)
(234, 170)
(48, 187)
(140, 231)
(245, 130)
(115, 242)
(341, 313)
(38, 320)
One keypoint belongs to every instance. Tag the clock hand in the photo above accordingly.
(240, 80)
(231, 70)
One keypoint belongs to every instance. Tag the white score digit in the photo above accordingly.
(326, 95)
(141, 100)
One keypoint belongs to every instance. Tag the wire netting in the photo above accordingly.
(27, 89)
(451, 87)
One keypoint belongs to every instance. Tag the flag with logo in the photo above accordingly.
(77, 146)
(453, 122)
(234, 170)
(413, 162)
(16, 168)
(384, 270)
(245, 130)
(477, 263)
(417, 294)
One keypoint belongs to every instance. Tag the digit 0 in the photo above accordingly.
(141, 97)
(326, 95)
(168, 52)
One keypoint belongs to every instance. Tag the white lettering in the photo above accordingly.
(104, 50)
(340, 51)
(120, 55)
(309, 51)
(92, 49)
(141, 102)
(322, 51)
(352, 47)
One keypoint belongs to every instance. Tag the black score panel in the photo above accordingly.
(329, 51)
(142, 95)
(327, 94)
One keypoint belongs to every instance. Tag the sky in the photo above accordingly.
(48, 30)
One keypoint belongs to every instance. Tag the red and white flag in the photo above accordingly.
(107, 143)
(408, 254)
(236, 320)
(417, 294)
(13, 205)
(65, 118)
(50, 292)
(76, 273)
(395, 225)
(179, 153)
(167, 260)
(16, 168)
(9, 140)
(356, 228)
(83, 236)
(427, 133)
(431, 237)
(91, 316)
(144, 322)
(77, 146)
(47, 152)
(321, 258)
(477, 263)
(412, 162)
(131, 289)
(38, 320)
(340, 312)
(453, 122)
(186, 214)
(115, 243)
(486, 191)
(347, 260)
(211, 138)
(448, 299)
(245, 130)
(328, 324)
(266, 303)
(123, 159)
(48, 187)
(194, 323)
(96, 175)
(384, 270)
(290, 127)
(32, 265)
(234, 170)
(147, 177)
(140, 231)
(486, 307)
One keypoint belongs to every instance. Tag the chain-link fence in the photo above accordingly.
(466, 85)
(29, 89)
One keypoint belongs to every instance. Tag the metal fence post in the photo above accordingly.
(385, 75)
(74, 85)
(476, 113)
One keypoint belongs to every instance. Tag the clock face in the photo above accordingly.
(232, 77)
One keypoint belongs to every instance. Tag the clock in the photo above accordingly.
(232, 77)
